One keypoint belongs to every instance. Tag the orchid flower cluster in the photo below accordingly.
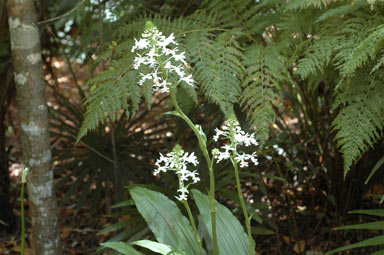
(177, 161)
(231, 130)
(162, 57)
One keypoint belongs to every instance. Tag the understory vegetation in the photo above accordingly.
(295, 87)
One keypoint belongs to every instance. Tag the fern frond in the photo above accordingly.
(217, 67)
(345, 9)
(360, 122)
(317, 56)
(300, 4)
(366, 49)
(379, 63)
(236, 15)
(110, 93)
(264, 71)
(355, 31)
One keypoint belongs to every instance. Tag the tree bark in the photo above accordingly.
(33, 118)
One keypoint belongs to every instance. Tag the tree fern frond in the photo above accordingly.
(353, 30)
(317, 56)
(364, 50)
(108, 96)
(186, 102)
(217, 67)
(345, 9)
(359, 123)
(300, 4)
(379, 64)
(235, 15)
(165, 24)
(264, 70)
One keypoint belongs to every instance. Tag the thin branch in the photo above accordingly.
(61, 16)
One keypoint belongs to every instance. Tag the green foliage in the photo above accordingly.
(243, 53)
(116, 90)
(230, 242)
(348, 37)
(89, 164)
(122, 248)
(218, 67)
(361, 118)
(173, 231)
(364, 50)
(317, 55)
(216, 58)
(165, 220)
(374, 241)
(264, 73)
(157, 247)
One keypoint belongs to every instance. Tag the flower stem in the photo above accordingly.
(203, 147)
(242, 203)
(22, 219)
(197, 237)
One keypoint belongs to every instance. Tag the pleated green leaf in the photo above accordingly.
(371, 225)
(157, 247)
(261, 231)
(165, 220)
(378, 240)
(230, 234)
(122, 248)
(378, 252)
(374, 212)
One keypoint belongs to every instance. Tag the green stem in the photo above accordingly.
(22, 219)
(203, 147)
(197, 237)
(242, 203)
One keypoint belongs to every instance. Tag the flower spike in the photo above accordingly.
(231, 130)
(162, 57)
(177, 161)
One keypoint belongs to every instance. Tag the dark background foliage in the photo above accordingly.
(306, 76)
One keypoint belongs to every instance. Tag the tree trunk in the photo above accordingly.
(33, 118)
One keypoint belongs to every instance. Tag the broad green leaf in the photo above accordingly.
(378, 240)
(117, 226)
(205, 235)
(157, 247)
(132, 234)
(254, 215)
(165, 220)
(375, 168)
(374, 212)
(261, 231)
(124, 203)
(370, 225)
(381, 252)
(122, 248)
(230, 234)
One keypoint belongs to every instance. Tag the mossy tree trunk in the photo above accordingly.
(33, 118)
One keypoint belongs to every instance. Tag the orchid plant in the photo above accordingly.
(163, 66)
